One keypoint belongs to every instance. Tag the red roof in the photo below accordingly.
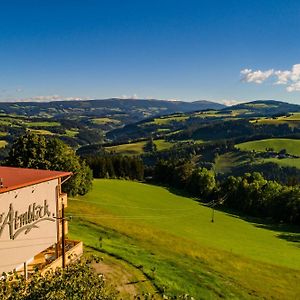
(15, 178)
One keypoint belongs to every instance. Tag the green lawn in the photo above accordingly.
(292, 146)
(172, 239)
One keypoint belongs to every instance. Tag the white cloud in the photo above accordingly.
(290, 78)
(231, 102)
(49, 98)
(256, 76)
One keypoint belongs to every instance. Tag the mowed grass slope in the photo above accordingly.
(172, 239)
(292, 146)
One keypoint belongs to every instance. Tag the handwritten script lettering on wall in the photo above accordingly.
(17, 222)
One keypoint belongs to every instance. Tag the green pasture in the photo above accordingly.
(41, 131)
(42, 124)
(163, 145)
(128, 149)
(138, 147)
(285, 162)
(71, 133)
(172, 240)
(102, 121)
(167, 120)
(293, 120)
(3, 143)
(292, 146)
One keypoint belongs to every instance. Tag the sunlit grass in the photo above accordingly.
(292, 146)
(150, 227)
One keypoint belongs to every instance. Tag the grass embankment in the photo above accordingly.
(171, 239)
(292, 146)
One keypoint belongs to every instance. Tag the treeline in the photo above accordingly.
(250, 193)
(116, 166)
(256, 196)
(233, 129)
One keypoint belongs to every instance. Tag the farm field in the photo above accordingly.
(293, 120)
(102, 121)
(292, 146)
(138, 147)
(172, 240)
(129, 149)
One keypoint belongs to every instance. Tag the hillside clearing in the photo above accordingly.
(178, 247)
(292, 146)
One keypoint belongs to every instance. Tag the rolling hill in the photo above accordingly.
(172, 240)
(263, 108)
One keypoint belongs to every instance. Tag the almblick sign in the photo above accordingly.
(16, 223)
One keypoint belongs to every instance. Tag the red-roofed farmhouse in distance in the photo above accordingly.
(31, 219)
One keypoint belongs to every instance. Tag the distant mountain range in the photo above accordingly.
(122, 110)
(264, 107)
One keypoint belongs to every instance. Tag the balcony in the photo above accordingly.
(46, 260)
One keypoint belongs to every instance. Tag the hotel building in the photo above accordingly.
(31, 230)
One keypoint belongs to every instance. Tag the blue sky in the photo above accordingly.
(187, 50)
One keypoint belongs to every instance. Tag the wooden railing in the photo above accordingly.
(72, 255)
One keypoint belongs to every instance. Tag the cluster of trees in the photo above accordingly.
(184, 174)
(233, 129)
(37, 152)
(116, 166)
(78, 282)
(271, 171)
(250, 193)
(256, 196)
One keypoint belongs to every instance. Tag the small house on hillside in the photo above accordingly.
(31, 219)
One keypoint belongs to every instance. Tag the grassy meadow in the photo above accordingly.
(292, 146)
(172, 240)
(292, 120)
(138, 147)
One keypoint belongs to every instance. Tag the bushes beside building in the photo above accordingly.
(78, 281)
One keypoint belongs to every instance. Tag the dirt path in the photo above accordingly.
(126, 279)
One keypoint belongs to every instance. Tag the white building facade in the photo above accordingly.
(31, 219)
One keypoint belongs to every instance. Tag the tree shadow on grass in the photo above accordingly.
(290, 237)
(290, 233)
